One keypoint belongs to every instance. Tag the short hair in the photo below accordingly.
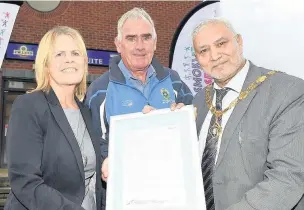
(135, 13)
(199, 27)
(45, 49)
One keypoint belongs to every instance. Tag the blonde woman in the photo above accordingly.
(53, 152)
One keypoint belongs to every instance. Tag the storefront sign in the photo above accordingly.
(20, 51)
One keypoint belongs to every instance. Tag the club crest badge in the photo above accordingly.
(166, 95)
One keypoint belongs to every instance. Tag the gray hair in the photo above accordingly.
(135, 13)
(212, 21)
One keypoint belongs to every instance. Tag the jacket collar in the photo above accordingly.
(117, 75)
(53, 99)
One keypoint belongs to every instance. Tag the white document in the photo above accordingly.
(166, 186)
(154, 162)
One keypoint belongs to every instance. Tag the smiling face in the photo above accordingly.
(137, 44)
(219, 51)
(66, 63)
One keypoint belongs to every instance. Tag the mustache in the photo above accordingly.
(218, 63)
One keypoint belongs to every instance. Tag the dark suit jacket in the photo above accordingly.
(44, 160)
(260, 165)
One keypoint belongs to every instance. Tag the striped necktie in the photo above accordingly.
(209, 155)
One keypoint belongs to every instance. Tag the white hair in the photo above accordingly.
(135, 13)
(199, 27)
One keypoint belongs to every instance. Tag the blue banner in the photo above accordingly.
(20, 51)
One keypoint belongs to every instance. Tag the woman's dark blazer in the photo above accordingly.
(44, 160)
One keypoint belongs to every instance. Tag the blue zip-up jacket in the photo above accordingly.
(110, 95)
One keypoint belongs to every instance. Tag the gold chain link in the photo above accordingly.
(242, 96)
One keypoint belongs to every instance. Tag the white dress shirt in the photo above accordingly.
(235, 84)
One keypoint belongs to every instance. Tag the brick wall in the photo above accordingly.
(97, 22)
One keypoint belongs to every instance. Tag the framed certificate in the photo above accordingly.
(154, 162)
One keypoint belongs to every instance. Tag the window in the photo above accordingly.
(11, 89)
(9, 98)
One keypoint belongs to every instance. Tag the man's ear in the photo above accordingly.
(118, 45)
(155, 43)
(239, 40)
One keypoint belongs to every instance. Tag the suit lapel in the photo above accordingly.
(87, 119)
(238, 112)
(202, 111)
(64, 125)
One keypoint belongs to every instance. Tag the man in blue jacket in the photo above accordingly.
(135, 82)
